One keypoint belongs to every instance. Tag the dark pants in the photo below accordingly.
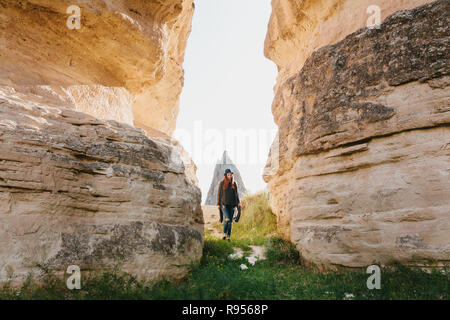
(228, 212)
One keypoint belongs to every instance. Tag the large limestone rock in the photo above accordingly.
(79, 184)
(224, 163)
(75, 190)
(124, 63)
(297, 28)
(360, 172)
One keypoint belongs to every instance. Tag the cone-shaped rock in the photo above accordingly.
(222, 164)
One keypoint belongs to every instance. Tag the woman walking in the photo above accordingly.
(227, 200)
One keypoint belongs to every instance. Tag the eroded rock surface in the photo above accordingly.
(297, 28)
(79, 183)
(124, 63)
(360, 171)
(78, 190)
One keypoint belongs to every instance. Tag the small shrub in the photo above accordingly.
(214, 250)
(281, 251)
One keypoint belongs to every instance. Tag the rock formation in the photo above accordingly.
(79, 183)
(360, 171)
(222, 164)
(124, 63)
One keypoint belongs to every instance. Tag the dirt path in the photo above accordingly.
(211, 217)
(212, 226)
(258, 252)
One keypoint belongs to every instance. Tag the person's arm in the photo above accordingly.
(237, 194)
(219, 194)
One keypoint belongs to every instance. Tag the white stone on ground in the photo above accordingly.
(349, 296)
(256, 254)
(236, 255)
(252, 260)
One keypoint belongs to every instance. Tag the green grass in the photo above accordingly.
(279, 251)
(280, 276)
(257, 220)
(217, 277)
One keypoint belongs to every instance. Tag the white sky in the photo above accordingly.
(228, 89)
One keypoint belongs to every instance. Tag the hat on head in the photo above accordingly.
(227, 171)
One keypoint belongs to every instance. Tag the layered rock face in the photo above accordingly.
(123, 63)
(75, 190)
(79, 183)
(360, 171)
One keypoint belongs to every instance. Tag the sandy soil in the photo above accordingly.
(211, 217)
